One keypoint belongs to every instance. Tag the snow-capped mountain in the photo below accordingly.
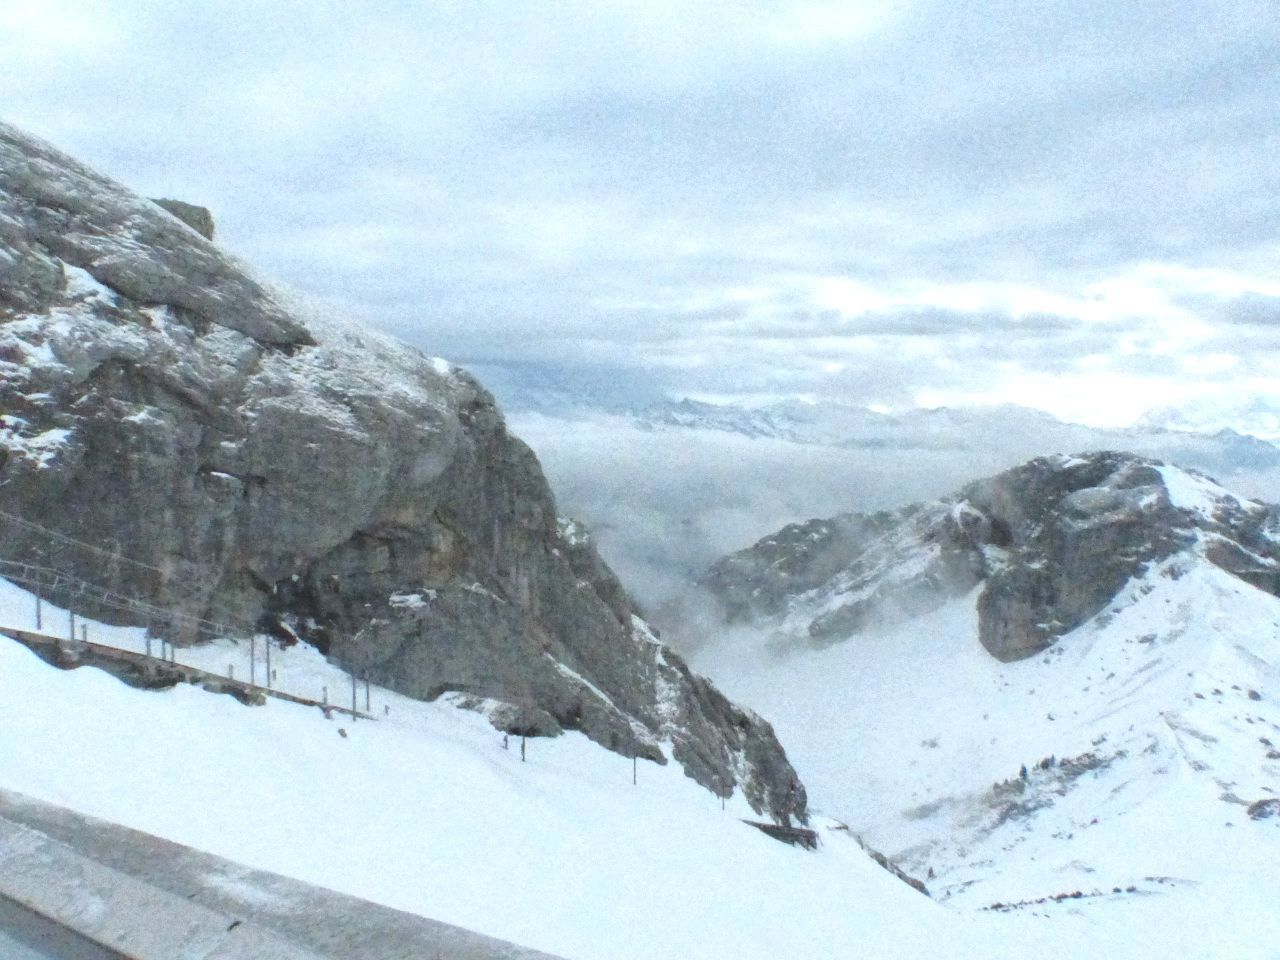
(1049, 542)
(1220, 451)
(177, 433)
(1061, 680)
(1259, 415)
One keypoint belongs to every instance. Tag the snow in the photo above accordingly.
(915, 737)
(424, 811)
(41, 448)
(412, 601)
(81, 284)
(1190, 491)
(572, 532)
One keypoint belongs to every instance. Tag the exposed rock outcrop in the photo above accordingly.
(1050, 542)
(199, 219)
(160, 405)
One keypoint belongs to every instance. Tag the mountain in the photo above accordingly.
(1060, 681)
(1260, 415)
(180, 439)
(1049, 542)
(668, 486)
(1003, 426)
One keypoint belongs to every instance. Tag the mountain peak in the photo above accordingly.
(175, 434)
(1049, 543)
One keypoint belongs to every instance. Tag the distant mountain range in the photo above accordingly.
(859, 428)
(668, 485)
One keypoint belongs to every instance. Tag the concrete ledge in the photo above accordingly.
(121, 913)
(795, 836)
(163, 901)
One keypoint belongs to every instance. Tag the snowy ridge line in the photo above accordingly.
(33, 575)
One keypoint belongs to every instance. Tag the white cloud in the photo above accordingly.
(881, 201)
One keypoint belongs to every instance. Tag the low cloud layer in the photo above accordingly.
(665, 500)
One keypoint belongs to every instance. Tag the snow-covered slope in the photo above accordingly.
(1160, 717)
(1137, 757)
(423, 810)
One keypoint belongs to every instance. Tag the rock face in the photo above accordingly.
(197, 218)
(202, 448)
(1050, 543)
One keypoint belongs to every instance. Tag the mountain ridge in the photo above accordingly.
(1050, 542)
(239, 463)
(1129, 746)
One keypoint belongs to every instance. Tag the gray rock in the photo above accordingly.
(1264, 809)
(1050, 542)
(197, 218)
(209, 452)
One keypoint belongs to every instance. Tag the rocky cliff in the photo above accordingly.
(196, 443)
(1047, 545)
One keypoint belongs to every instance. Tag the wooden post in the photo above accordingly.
(253, 660)
(634, 764)
(39, 615)
(148, 646)
(231, 671)
(72, 615)
(84, 633)
(267, 644)
(522, 748)
(366, 693)
(353, 697)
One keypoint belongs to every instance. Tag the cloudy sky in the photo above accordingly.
(1072, 205)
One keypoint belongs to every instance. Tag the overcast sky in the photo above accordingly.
(1072, 205)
